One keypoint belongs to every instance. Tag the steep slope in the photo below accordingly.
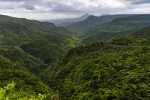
(28, 47)
(42, 49)
(18, 32)
(102, 36)
(105, 36)
(26, 84)
(91, 22)
(144, 32)
(95, 26)
(16, 54)
(112, 70)
(32, 29)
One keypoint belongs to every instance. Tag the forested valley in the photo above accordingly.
(98, 58)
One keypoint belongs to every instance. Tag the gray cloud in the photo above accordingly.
(14, 0)
(29, 5)
(66, 7)
(53, 9)
(138, 1)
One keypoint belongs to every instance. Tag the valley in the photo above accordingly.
(92, 58)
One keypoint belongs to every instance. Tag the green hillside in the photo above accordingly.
(27, 47)
(26, 84)
(23, 69)
(144, 32)
(32, 29)
(91, 22)
(108, 70)
(102, 36)
(126, 23)
(39, 60)
(111, 24)
(32, 42)
(106, 36)
(16, 54)
(42, 49)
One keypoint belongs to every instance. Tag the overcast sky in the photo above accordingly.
(58, 9)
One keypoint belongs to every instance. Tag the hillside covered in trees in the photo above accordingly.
(89, 61)
(107, 70)
(27, 47)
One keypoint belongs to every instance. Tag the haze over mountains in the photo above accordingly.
(64, 22)
(91, 57)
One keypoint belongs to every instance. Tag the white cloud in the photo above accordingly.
(54, 9)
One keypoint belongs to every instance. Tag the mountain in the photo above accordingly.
(26, 84)
(32, 43)
(109, 23)
(64, 22)
(127, 23)
(91, 22)
(27, 47)
(106, 36)
(32, 29)
(103, 28)
(118, 69)
(39, 59)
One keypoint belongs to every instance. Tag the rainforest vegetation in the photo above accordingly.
(99, 58)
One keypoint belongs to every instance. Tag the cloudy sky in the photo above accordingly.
(58, 9)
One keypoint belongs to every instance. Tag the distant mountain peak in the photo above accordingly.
(85, 15)
(92, 16)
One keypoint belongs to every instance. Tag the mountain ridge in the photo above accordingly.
(91, 22)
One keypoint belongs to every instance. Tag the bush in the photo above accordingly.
(8, 93)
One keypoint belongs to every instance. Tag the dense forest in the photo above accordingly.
(99, 58)
(107, 70)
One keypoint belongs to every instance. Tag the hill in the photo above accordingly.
(91, 22)
(125, 23)
(111, 24)
(32, 29)
(18, 32)
(34, 55)
(107, 70)
(28, 47)
(26, 84)
(106, 36)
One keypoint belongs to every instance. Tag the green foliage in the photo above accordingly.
(107, 36)
(102, 36)
(30, 53)
(18, 55)
(8, 93)
(144, 32)
(122, 41)
(108, 70)
(34, 30)
(95, 29)
(43, 50)
(26, 82)
(5, 92)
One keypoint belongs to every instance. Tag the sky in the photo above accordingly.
(60, 9)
